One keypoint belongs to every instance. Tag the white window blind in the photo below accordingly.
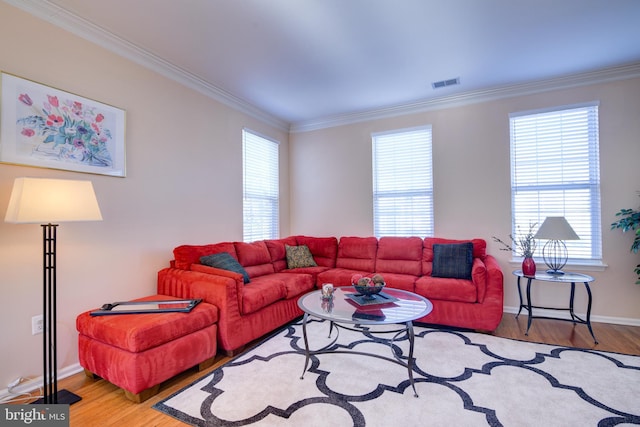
(555, 172)
(403, 183)
(260, 188)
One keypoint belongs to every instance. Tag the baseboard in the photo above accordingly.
(33, 384)
(565, 315)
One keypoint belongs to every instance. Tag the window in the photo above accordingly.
(260, 187)
(402, 183)
(555, 172)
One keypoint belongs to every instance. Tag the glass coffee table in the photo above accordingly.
(348, 310)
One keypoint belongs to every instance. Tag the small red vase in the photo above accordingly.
(528, 267)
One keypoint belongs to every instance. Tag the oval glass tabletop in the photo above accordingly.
(390, 306)
(567, 277)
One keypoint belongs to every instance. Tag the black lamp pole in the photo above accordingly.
(50, 393)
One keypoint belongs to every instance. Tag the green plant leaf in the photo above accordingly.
(630, 220)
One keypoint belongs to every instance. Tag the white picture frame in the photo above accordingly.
(46, 127)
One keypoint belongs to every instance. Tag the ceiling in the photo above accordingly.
(300, 61)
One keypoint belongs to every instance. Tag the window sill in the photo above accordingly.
(577, 266)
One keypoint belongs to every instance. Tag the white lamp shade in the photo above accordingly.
(556, 228)
(40, 200)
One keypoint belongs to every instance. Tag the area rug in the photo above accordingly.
(462, 379)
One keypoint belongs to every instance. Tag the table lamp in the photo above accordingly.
(48, 201)
(555, 229)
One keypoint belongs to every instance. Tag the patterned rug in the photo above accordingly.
(462, 379)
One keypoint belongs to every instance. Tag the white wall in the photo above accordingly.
(183, 185)
(331, 183)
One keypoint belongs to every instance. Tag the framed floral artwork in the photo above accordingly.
(46, 127)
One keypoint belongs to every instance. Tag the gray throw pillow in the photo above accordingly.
(453, 260)
(225, 261)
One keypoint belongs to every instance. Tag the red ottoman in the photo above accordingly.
(137, 352)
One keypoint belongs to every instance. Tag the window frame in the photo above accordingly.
(586, 179)
(423, 227)
(263, 190)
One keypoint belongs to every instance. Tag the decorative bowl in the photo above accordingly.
(369, 290)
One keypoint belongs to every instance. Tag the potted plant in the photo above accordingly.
(630, 220)
(524, 245)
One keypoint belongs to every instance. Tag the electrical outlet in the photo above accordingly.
(37, 324)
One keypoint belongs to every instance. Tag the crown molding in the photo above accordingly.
(68, 21)
(622, 72)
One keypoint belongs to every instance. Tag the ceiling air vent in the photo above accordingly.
(445, 83)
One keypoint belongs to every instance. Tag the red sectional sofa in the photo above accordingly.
(249, 311)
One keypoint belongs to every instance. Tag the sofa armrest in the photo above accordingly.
(201, 268)
(221, 290)
(495, 282)
(479, 278)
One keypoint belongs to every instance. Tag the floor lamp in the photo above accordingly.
(49, 201)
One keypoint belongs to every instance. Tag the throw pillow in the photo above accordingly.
(453, 260)
(225, 261)
(299, 257)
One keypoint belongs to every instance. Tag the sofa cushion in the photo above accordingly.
(401, 255)
(323, 249)
(453, 260)
(299, 257)
(313, 271)
(447, 289)
(225, 261)
(278, 253)
(186, 255)
(357, 253)
(406, 282)
(261, 293)
(255, 258)
(295, 284)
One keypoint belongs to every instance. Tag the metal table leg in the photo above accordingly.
(586, 285)
(306, 345)
(571, 298)
(529, 308)
(520, 295)
(411, 337)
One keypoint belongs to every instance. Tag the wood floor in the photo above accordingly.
(103, 404)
